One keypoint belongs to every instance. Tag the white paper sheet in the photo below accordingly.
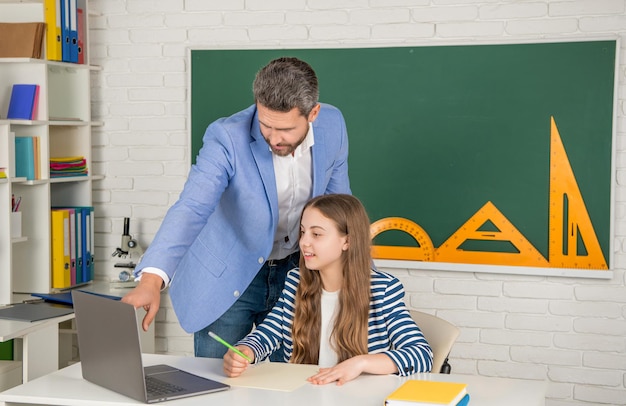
(274, 376)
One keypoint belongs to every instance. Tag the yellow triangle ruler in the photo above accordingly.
(423, 252)
(569, 222)
(572, 239)
(526, 255)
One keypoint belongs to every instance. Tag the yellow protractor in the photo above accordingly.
(423, 252)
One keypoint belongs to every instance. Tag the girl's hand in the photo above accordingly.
(235, 364)
(340, 373)
(379, 364)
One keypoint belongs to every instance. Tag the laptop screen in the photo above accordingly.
(110, 351)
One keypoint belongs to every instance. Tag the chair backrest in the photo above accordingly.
(440, 334)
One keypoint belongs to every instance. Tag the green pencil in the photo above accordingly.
(219, 340)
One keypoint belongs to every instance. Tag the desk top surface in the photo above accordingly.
(66, 387)
(10, 329)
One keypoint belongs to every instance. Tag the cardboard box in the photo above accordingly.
(21, 40)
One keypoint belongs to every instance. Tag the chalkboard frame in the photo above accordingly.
(206, 108)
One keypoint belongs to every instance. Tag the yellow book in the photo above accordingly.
(37, 161)
(53, 29)
(427, 393)
(60, 229)
(66, 159)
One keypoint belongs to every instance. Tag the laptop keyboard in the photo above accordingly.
(158, 387)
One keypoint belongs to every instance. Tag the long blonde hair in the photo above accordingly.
(349, 334)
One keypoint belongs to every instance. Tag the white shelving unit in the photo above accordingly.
(63, 125)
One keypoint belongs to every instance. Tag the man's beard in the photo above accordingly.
(285, 151)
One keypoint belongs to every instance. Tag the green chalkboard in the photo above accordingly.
(437, 131)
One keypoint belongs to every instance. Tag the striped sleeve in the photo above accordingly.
(275, 331)
(391, 329)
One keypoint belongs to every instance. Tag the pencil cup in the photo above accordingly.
(16, 224)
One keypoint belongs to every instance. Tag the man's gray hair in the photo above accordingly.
(285, 83)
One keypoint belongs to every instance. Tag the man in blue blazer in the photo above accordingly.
(225, 246)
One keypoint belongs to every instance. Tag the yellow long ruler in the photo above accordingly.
(569, 220)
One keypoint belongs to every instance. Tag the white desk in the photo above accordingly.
(66, 387)
(39, 342)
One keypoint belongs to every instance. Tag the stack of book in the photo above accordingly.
(68, 166)
(429, 393)
(3, 172)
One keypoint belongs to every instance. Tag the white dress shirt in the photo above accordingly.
(294, 184)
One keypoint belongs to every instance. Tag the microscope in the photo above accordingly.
(130, 249)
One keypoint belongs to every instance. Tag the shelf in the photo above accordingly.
(68, 179)
(68, 123)
(58, 122)
(31, 182)
(63, 127)
(54, 64)
(26, 122)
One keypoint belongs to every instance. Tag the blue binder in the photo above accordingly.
(65, 31)
(73, 32)
(87, 243)
(79, 245)
(85, 216)
(83, 252)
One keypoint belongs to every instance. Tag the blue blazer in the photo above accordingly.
(390, 328)
(216, 237)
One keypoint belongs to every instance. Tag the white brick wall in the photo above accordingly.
(567, 331)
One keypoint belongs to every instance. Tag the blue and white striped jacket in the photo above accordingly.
(391, 330)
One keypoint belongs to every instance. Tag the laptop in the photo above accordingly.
(110, 354)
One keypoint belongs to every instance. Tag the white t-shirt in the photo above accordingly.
(330, 303)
